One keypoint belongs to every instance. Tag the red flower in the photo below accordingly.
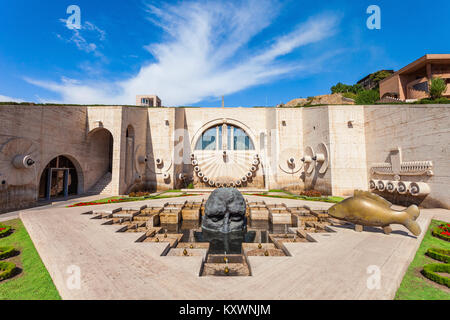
(1, 229)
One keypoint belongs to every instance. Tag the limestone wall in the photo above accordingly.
(316, 130)
(423, 133)
(160, 145)
(36, 125)
(289, 145)
(348, 165)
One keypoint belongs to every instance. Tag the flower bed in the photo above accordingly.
(306, 198)
(94, 203)
(442, 231)
(129, 199)
(4, 230)
(6, 252)
(7, 270)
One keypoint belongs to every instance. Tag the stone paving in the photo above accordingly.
(114, 266)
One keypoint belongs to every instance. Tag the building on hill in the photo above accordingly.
(411, 82)
(369, 82)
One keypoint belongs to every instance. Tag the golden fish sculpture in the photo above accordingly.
(368, 209)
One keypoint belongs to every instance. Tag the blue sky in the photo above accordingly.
(255, 52)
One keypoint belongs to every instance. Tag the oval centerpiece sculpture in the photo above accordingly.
(225, 211)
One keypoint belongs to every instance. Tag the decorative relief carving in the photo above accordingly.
(400, 168)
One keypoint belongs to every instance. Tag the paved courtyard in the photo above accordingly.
(114, 266)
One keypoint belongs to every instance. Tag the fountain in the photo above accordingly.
(225, 211)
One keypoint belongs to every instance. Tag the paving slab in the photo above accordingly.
(113, 266)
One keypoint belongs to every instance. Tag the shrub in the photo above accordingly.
(7, 270)
(429, 271)
(132, 194)
(437, 88)
(367, 97)
(190, 186)
(442, 100)
(349, 95)
(312, 193)
(4, 230)
(6, 252)
(439, 254)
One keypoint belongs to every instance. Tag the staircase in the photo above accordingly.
(103, 185)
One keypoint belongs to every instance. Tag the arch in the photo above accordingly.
(223, 133)
(101, 143)
(61, 177)
(130, 131)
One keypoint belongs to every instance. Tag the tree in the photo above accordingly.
(437, 88)
(378, 76)
(367, 97)
(344, 88)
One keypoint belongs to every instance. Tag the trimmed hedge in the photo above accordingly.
(7, 270)
(6, 252)
(439, 254)
(430, 270)
(442, 231)
(4, 230)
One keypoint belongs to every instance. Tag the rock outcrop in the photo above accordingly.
(328, 99)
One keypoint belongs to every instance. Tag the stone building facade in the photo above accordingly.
(412, 81)
(401, 152)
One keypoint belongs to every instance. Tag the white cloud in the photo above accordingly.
(9, 99)
(80, 40)
(205, 54)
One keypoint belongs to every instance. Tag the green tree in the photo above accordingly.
(437, 88)
(344, 88)
(367, 97)
(340, 88)
(378, 76)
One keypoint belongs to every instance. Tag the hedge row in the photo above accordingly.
(7, 270)
(430, 270)
(6, 252)
(4, 230)
(439, 254)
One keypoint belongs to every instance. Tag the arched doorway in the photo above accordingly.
(100, 152)
(59, 179)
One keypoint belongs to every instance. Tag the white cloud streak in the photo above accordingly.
(206, 54)
(9, 99)
(80, 41)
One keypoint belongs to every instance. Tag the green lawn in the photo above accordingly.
(414, 285)
(121, 199)
(331, 199)
(34, 281)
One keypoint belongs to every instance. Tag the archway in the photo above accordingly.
(59, 179)
(101, 152)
